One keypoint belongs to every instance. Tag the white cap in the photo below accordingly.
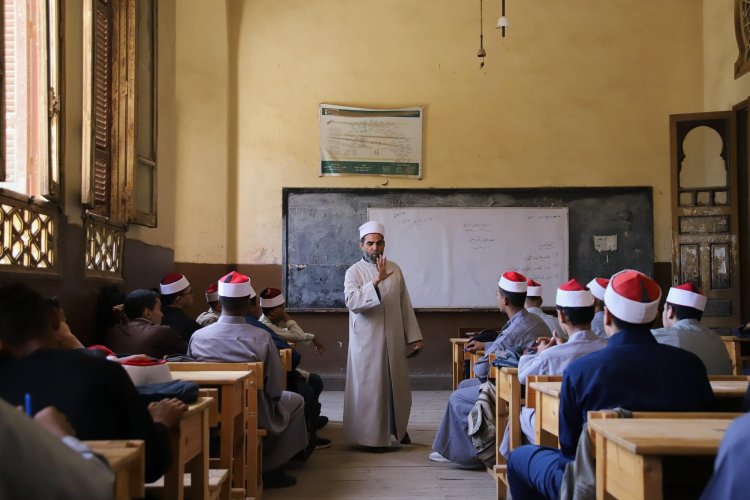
(687, 295)
(513, 282)
(173, 283)
(271, 297)
(597, 287)
(235, 284)
(572, 294)
(370, 227)
(633, 297)
(533, 289)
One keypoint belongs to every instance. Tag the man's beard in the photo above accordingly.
(372, 259)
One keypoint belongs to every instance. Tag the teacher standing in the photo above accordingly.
(383, 332)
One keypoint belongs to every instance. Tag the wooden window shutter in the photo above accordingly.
(97, 153)
(102, 101)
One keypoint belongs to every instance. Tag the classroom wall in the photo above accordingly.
(577, 94)
(721, 90)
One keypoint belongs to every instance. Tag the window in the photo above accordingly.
(742, 33)
(29, 133)
(119, 149)
(30, 98)
(119, 120)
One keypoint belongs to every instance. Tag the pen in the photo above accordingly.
(27, 404)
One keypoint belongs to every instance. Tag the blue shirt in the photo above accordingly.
(633, 372)
(730, 479)
(520, 331)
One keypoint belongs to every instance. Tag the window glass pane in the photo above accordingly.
(145, 80)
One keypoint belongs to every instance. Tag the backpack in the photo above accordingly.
(482, 430)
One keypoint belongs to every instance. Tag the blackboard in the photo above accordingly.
(320, 230)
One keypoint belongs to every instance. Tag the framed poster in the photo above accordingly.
(358, 141)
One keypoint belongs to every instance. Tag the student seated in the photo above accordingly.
(95, 395)
(452, 442)
(144, 333)
(633, 372)
(597, 287)
(521, 330)
(277, 319)
(575, 308)
(231, 339)
(533, 304)
(682, 328)
(214, 307)
(177, 297)
(306, 384)
(43, 459)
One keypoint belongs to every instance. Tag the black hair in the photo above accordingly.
(138, 301)
(267, 310)
(516, 299)
(536, 300)
(24, 314)
(578, 316)
(234, 305)
(686, 312)
(167, 300)
(624, 325)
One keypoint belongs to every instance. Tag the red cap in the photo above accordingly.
(235, 284)
(533, 289)
(513, 282)
(573, 294)
(173, 283)
(271, 297)
(633, 297)
(687, 295)
(212, 293)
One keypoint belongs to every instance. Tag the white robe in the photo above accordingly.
(377, 399)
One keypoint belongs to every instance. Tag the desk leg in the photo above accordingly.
(174, 477)
(239, 472)
(458, 364)
(227, 434)
(198, 466)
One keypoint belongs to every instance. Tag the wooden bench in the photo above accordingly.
(252, 472)
(734, 348)
(126, 458)
(286, 364)
(629, 451)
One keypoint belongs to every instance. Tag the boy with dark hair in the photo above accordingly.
(682, 328)
(176, 297)
(144, 333)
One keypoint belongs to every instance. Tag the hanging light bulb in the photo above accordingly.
(503, 22)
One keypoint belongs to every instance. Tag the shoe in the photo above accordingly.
(321, 443)
(406, 439)
(321, 422)
(437, 457)
(278, 479)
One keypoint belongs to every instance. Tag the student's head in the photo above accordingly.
(372, 240)
(212, 297)
(235, 294)
(533, 294)
(511, 292)
(143, 304)
(631, 302)
(176, 291)
(575, 306)
(685, 301)
(272, 302)
(597, 287)
(25, 316)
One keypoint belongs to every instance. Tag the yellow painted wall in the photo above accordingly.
(721, 90)
(200, 128)
(578, 94)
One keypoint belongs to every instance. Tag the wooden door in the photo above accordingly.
(705, 242)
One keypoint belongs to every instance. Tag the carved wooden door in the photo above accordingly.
(705, 243)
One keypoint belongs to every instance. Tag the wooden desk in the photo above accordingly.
(547, 403)
(459, 356)
(545, 397)
(127, 460)
(734, 348)
(232, 387)
(629, 451)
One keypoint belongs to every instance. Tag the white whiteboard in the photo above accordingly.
(453, 257)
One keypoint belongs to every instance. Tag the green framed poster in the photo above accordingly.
(360, 141)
